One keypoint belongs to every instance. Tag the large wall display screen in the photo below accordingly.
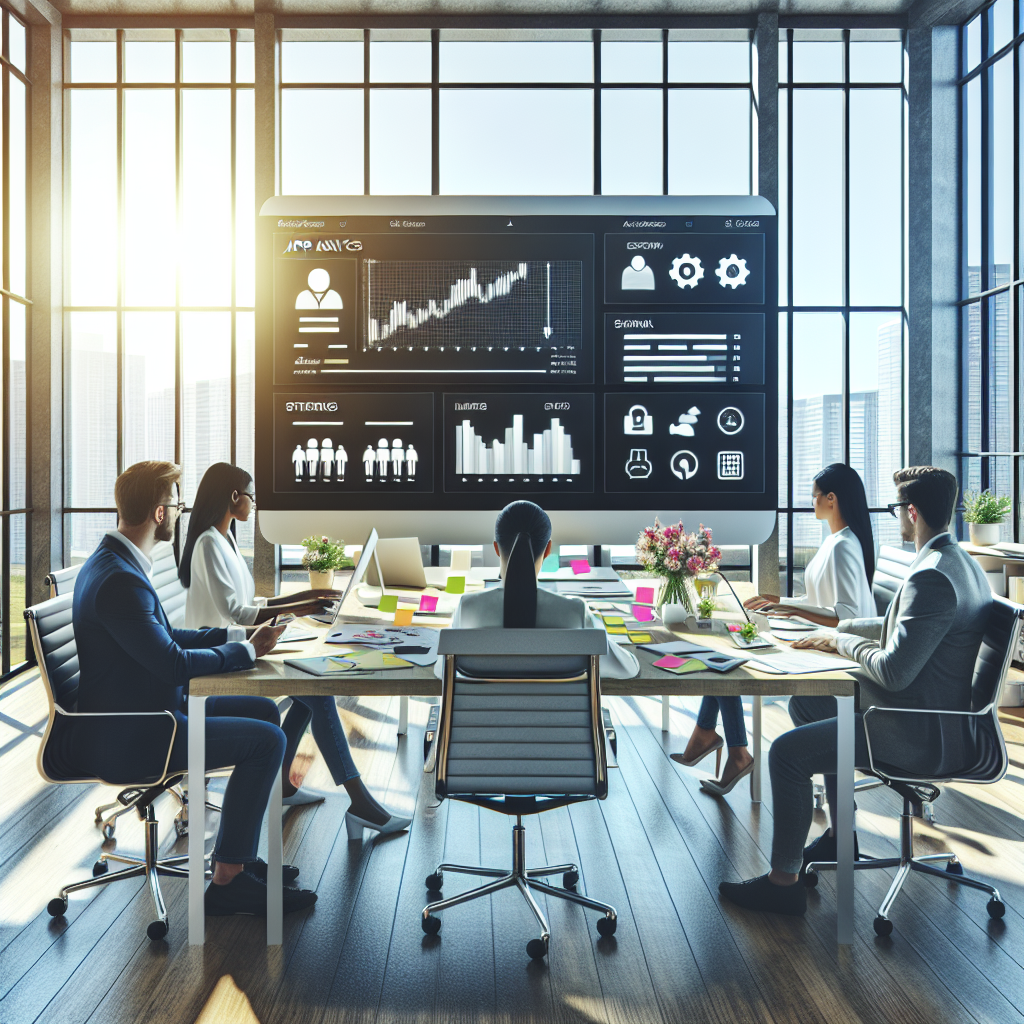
(603, 356)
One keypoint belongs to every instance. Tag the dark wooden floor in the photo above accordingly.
(656, 849)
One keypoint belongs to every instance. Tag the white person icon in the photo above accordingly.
(319, 294)
(411, 458)
(397, 458)
(368, 460)
(299, 461)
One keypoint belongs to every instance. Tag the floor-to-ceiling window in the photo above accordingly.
(14, 302)
(842, 273)
(159, 293)
(990, 278)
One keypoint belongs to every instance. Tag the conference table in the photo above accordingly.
(271, 677)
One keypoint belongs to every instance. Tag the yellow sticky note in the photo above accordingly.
(613, 620)
(388, 603)
(615, 629)
(403, 616)
(456, 585)
(640, 638)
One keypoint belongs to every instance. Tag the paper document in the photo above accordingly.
(795, 663)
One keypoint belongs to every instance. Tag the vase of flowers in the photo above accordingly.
(984, 514)
(679, 558)
(323, 556)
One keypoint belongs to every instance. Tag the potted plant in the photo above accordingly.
(706, 607)
(323, 556)
(983, 514)
(749, 631)
(679, 557)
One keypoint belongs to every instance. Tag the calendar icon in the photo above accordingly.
(730, 465)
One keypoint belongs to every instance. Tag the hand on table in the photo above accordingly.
(264, 639)
(817, 642)
(304, 596)
(761, 602)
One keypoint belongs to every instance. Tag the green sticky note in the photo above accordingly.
(388, 603)
(613, 620)
(550, 564)
(616, 630)
(640, 638)
(456, 585)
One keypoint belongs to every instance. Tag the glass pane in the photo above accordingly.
(885, 528)
(400, 142)
(93, 195)
(817, 62)
(16, 42)
(245, 58)
(634, 169)
(90, 423)
(783, 62)
(818, 197)
(206, 396)
(93, 62)
(149, 61)
(18, 209)
(82, 532)
(783, 411)
(206, 61)
(1000, 391)
(1002, 172)
(1002, 24)
(206, 198)
(876, 401)
(245, 418)
(149, 197)
(817, 398)
(17, 397)
(148, 401)
(783, 200)
(14, 633)
(876, 62)
(971, 334)
(335, 119)
(708, 62)
(517, 62)
(322, 62)
(491, 138)
(808, 534)
(709, 142)
(407, 61)
(972, 44)
(630, 62)
(245, 199)
(876, 194)
(972, 183)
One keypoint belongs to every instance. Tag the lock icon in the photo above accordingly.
(638, 421)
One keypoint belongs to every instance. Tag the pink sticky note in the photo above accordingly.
(645, 595)
(642, 614)
(580, 566)
(669, 661)
(733, 627)
(428, 603)
(403, 617)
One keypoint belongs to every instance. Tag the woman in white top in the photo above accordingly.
(837, 584)
(221, 592)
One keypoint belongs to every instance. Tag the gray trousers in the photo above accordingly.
(793, 760)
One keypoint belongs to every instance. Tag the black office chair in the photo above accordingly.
(77, 747)
(520, 732)
(970, 749)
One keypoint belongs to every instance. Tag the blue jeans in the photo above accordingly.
(327, 731)
(242, 732)
(732, 718)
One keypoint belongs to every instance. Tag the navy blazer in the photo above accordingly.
(129, 655)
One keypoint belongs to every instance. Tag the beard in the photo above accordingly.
(906, 530)
(165, 530)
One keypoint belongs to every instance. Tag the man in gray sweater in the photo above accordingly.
(921, 654)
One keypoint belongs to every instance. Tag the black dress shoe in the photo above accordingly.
(247, 894)
(761, 894)
(258, 867)
(824, 849)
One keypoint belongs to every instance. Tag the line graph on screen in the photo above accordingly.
(487, 304)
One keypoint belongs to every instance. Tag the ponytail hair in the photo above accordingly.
(522, 532)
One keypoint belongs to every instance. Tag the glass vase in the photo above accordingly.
(680, 595)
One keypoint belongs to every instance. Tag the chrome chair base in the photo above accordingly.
(524, 879)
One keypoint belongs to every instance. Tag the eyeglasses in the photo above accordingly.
(251, 497)
(895, 505)
(179, 506)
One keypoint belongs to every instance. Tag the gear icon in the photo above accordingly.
(732, 272)
(686, 270)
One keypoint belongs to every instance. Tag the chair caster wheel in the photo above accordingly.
(180, 828)
(108, 831)
(537, 949)
(101, 867)
(811, 879)
(606, 926)
(435, 881)
(883, 926)
(157, 930)
(569, 879)
(58, 906)
(996, 908)
(954, 867)
(431, 925)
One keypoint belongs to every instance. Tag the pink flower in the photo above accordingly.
(695, 564)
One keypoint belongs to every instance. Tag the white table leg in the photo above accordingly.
(403, 715)
(665, 708)
(755, 775)
(275, 857)
(196, 819)
(844, 820)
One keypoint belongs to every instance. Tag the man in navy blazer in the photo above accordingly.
(132, 659)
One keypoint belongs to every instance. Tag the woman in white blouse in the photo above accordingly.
(221, 592)
(837, 585)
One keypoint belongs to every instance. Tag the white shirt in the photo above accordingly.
(835, 580)
(222, 591)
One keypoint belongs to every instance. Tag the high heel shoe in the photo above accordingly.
(715, 788)
(355, 825)
(715, 748)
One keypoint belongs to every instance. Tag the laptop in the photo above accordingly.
(365, 558)
(402, 566)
